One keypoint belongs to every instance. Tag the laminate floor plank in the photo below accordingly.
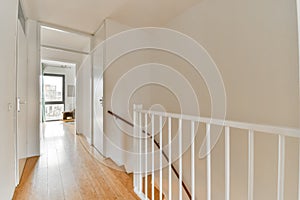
(70, 169)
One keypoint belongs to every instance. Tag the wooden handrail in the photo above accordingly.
(158, 146)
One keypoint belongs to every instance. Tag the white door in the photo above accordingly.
(97, 60)
(21, 101)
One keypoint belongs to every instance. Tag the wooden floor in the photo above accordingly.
(70, 169)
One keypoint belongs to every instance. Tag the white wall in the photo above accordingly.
(33, 89)
(117, 142)
(97, 88)
(8, 29)
(22, 95)
(65, 40)
(84, 98)
(70, 75)
(254, 44)
(61, 39)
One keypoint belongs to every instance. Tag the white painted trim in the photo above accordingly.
(92, 101)
(88, 139)
(17, 178)
(39, 61)
(70, 30)
(298, 26)
(99, 27)
(64, 49)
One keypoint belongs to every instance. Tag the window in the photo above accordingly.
(54, 95)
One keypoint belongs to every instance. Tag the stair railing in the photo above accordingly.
(140, 115)
(140, 181)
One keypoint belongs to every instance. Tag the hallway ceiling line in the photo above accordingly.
(66, 29)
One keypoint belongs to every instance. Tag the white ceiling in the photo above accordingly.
(88, 15)
(58, 38)
(62, 56)
(51, 37)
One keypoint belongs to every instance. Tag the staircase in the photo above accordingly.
(162, 170)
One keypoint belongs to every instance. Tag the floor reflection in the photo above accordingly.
(53, 129)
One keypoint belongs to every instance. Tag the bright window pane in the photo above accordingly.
(54, 111)
(53, 88)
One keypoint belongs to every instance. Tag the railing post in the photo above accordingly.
(227, 163)
(146, 155)
(137, 184)
(193, 159)
(299, 169)
(153, 154)
(160, 159)
(208, 162)
(281, 162)
(170, 155)
(250, 164)
(140, 138)
(180, 157)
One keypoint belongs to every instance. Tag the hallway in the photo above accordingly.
(68, 169)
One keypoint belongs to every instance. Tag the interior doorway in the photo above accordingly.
(61, 53)
(59, 96)
(59, 48)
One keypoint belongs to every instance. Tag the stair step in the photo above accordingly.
(149, 189)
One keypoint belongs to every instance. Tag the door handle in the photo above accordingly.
(18, 104)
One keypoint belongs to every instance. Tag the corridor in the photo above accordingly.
(70, 169)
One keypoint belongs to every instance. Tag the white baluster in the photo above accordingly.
(153, 158)
(193, 159)
(281, 162)
(170, 156)
(299, 170)
(160, 158)
(140, 154)
(146, 155)
(135, 133)
(227, 163)
(180, 157)
(208, 162)
(250, 164)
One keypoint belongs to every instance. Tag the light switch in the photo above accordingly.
(10, 106)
